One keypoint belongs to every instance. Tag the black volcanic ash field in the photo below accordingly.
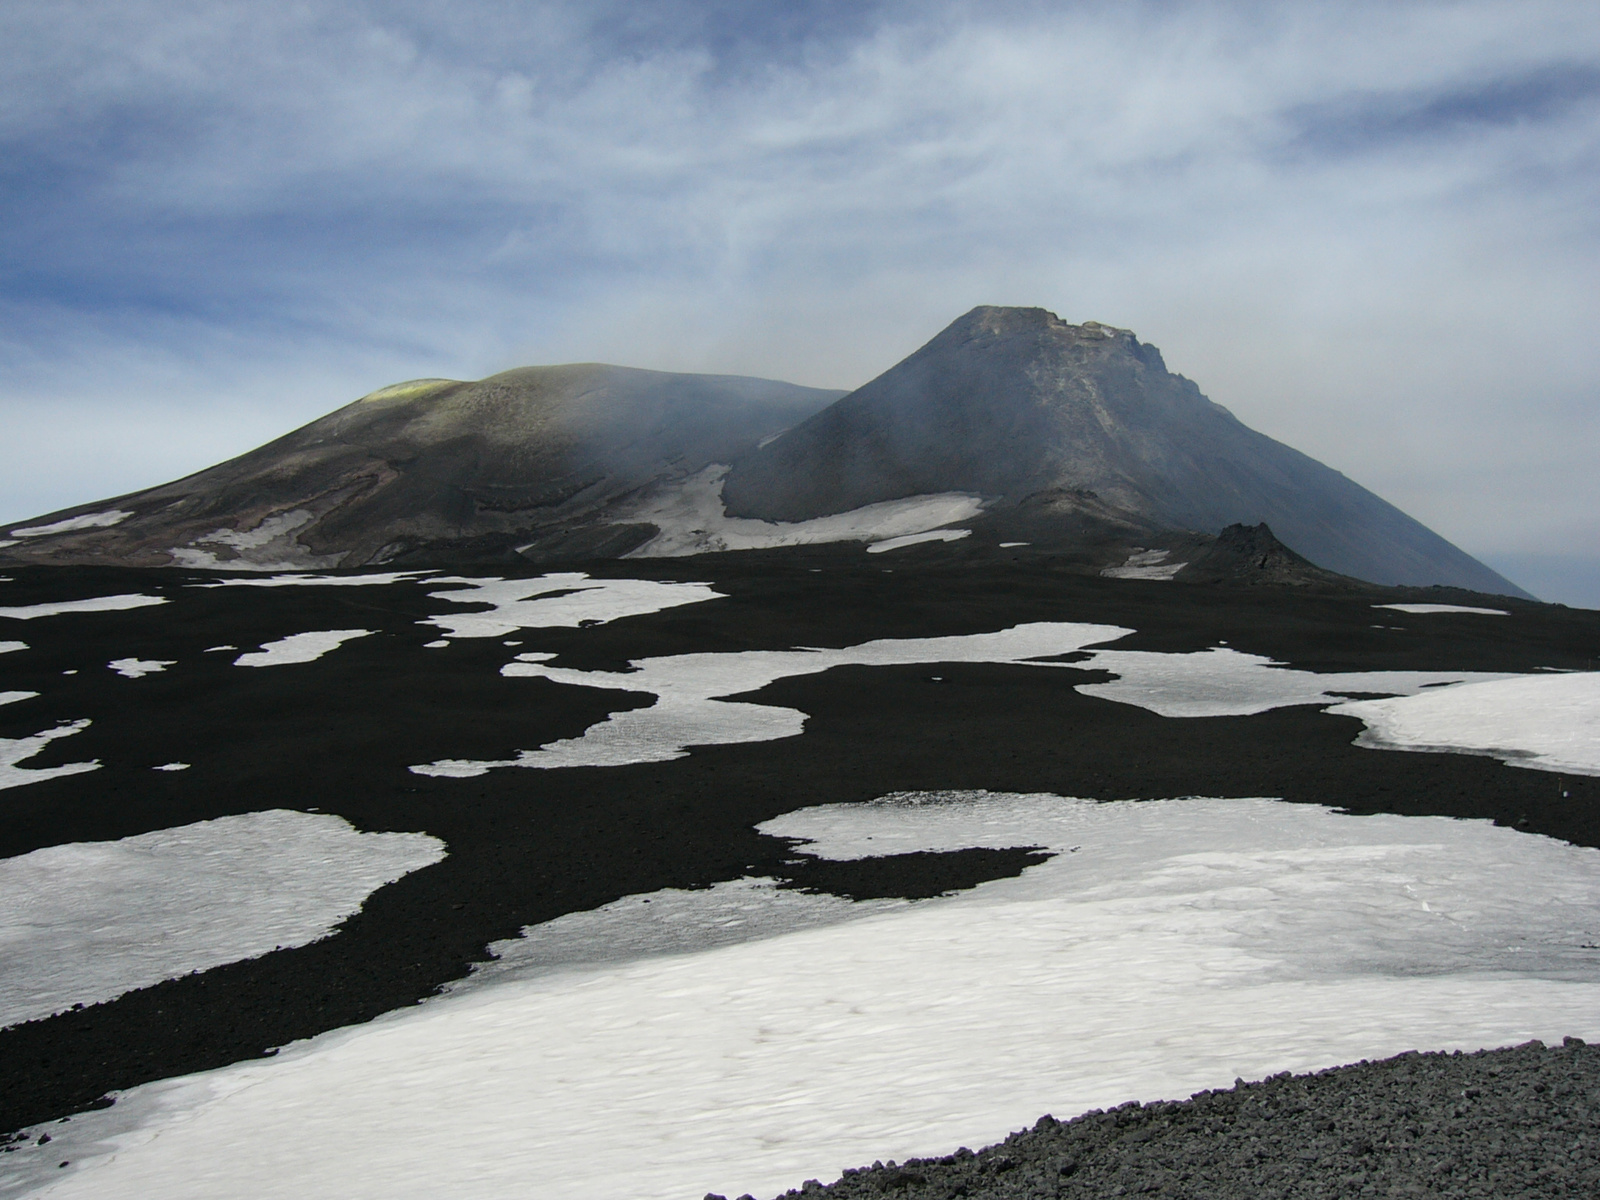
(335, 737)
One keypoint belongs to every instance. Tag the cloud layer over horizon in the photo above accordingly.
(1369, 229)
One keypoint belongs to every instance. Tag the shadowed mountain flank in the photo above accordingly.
(526, 459)
(1012, 402)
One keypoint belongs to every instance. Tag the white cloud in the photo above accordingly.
(1364, 227)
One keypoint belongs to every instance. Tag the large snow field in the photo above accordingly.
(1551, 722)
(1169, 946)
(687, 712)
(690, 519)
(84, 922)
(564, 599)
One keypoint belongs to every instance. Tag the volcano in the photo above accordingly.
(1013, 425)
(1000, 761)
(1014, 402)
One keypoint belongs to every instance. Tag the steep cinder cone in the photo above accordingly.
(1009, 402)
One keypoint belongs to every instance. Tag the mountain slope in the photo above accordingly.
(1008, 402)
(526, 458)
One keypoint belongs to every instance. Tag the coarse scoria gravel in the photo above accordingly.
(1518, 1122)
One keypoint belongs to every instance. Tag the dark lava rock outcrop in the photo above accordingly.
(1012, 402)
(1251, 554)
(1518, 1122)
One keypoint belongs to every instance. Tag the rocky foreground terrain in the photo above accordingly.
(1523, 1121)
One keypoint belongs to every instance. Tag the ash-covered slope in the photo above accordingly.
(1009, 402)
(526, 459)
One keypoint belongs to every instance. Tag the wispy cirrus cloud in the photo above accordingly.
(1368, 228)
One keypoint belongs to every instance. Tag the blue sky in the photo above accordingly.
(1371, 230)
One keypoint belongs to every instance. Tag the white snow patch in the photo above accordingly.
(299, 647)
(1222, 682)
(691, 520)
(1009, 545)
(565, 599)
(84, 922)
(15, 750)
(7, 542)
(439, 645)
(13, 697)
(100, 520)
(29, 612)
(670, 921)
(136, 668)
(1550, 722)
(214, 649)
(272, 545)
(1444, 608)
(383, 577)
(172, 766)
(1183, 944)
(913, 539)
(686, 712)
(1145, 564)
(12, 647)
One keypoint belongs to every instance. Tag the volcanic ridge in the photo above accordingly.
(1012, 433)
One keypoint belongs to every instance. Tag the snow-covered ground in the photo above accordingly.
(1223, 682)
(1444, 608)
(688, 711)
(1169, 946)
(1146, 564)
(690, 519)
(16, 750)
(84, 922)
(567, 599)
(1551, 722)
(29, 612)
(299, 647)
(686, 686)
(99, 520)
(309, 580)
(916, 539)
(273, 545)
(137, 668)
(12, 647)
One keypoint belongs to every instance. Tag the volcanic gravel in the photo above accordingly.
(1519, 1122)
